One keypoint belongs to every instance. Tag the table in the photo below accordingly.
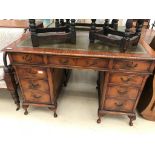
(122, 76)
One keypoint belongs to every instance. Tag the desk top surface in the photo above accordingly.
(84, 48)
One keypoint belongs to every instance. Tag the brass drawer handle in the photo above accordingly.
(64, 62)
(36, 96)
(34, 85)
(122, 92)
(126, 79)
(31, 71)
(131, 65)
(92, 63)
(119, 104)
(27, 58)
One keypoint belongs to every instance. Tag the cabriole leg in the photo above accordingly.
(25, 108)
(132, 118)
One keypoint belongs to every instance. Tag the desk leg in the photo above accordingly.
(11, 84)
(132, 118)
(98, 81)
(25, 108)
(55, 114)
(54, 110)
(67, 76)
(99, 119)
(99, 116)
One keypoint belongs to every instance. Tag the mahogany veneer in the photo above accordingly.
(121, 79)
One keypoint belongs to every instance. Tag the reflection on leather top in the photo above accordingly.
(82, 43)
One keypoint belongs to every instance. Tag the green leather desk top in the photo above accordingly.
(83, 48)
(82, 43)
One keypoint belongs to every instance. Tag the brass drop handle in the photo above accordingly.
(118, 104)
(34, 85)
(131, 65)
(65, 61)
(92, 63)
(36, 96)
(122, 92)
(27, 58)
(31, 71)
(126, 79)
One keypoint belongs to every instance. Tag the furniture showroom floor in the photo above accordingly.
(75, 130)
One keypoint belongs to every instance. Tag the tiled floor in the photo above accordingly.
(75, 130)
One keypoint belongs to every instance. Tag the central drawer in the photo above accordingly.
(122, 92)
(79, 62)
(62, 60)
(93, 62)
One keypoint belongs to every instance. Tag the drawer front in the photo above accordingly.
(41, 85)
(122, 92)
(36, 96)
(33, 72)
(119, 105)
(128, 65)
(131, 79)
(59, 60)
(27, 58)
(79, 62)
(93, 62)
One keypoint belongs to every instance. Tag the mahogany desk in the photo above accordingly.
(121, 75)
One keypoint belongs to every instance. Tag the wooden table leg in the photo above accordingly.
(67, 73)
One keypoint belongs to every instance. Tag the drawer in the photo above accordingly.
(93, 62)
(119, 105)
(121, 78)
(27, 58)
(130, 65)
(31, 72)
(62, 60)
(122, 92)
(79, 62)
(36, 96)
(41, 85)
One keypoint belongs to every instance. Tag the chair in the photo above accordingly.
(63, 31)
(110, 34)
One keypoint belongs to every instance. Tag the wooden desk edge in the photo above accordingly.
(105, 54)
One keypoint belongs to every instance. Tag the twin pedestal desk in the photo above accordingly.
(41, 72)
